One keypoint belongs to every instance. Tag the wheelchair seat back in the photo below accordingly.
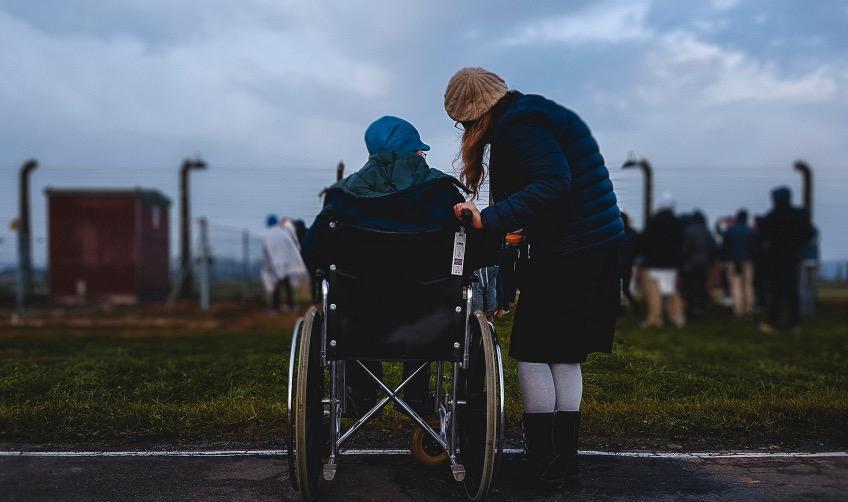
(392, 296)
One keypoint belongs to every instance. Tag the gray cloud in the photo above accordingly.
(602, 23)
(273, 93)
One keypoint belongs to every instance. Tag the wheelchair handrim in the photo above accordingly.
(491, 380)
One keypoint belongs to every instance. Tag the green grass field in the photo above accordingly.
(717, 384)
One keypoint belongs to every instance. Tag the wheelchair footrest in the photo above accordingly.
(329, 471)
(458, 471)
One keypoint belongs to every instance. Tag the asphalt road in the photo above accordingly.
(399, 478)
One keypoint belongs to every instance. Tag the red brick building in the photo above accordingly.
(108, 245)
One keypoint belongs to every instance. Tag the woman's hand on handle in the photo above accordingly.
(476, 220)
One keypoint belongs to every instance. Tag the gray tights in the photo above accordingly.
(550, 387)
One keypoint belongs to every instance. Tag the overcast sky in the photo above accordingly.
(722, 96)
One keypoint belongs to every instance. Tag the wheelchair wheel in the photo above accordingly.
(291, 389)
(309, 428)
(479, 421)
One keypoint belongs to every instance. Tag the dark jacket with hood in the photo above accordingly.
(699, 246)
(785, 230)
(548, 177)
(739, 242)
(661, 245)
(393, 192)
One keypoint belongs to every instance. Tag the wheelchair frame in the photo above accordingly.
(480, 347)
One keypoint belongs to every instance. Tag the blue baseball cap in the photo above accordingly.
(393, 134)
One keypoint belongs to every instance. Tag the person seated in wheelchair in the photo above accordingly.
(395, 191)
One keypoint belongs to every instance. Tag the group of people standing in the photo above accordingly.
(755, 263)
(494, 290)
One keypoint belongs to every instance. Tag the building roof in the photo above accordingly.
(146, 194)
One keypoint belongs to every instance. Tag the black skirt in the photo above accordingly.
(568, 307)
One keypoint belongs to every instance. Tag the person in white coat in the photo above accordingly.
(282, 265)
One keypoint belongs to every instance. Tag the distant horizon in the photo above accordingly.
(829, 270)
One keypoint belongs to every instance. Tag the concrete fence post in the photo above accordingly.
(245, 263)
(648, 185)
(24, 275)
(204, 264)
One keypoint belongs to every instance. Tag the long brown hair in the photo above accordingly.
(472, 152)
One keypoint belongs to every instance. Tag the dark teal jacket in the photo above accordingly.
(393, 192)
(390, 172)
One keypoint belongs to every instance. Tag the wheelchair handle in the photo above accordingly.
(514, 238)
(465, 218)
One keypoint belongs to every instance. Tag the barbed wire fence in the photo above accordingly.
(236, 253)
(227, 261)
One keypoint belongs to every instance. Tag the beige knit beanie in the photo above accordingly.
(472, 92)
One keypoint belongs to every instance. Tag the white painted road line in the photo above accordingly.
(713, 454)
(152, 453)
(509, 451)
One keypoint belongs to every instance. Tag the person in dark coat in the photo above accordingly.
(505, 288)
(699, 251)
(547, 177)
(739, 243)
(627, 259)
(394, 191)
(661, 249)
(300, 229)
(761, 269)
(783, 233)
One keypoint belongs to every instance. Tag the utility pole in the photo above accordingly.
(807, 176)
(186, 279)
(339, 175)
(648, 190)
(24, 276)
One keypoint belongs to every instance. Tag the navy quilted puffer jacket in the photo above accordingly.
(547, 176)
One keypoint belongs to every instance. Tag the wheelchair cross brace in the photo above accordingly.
(391, 395)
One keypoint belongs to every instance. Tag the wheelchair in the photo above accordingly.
(393, 296)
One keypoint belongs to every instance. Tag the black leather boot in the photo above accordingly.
(541, 456)
(566, 433)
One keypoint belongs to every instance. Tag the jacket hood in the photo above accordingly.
(389, 172)
(698, 218)
(781, 196)
(393, 134)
